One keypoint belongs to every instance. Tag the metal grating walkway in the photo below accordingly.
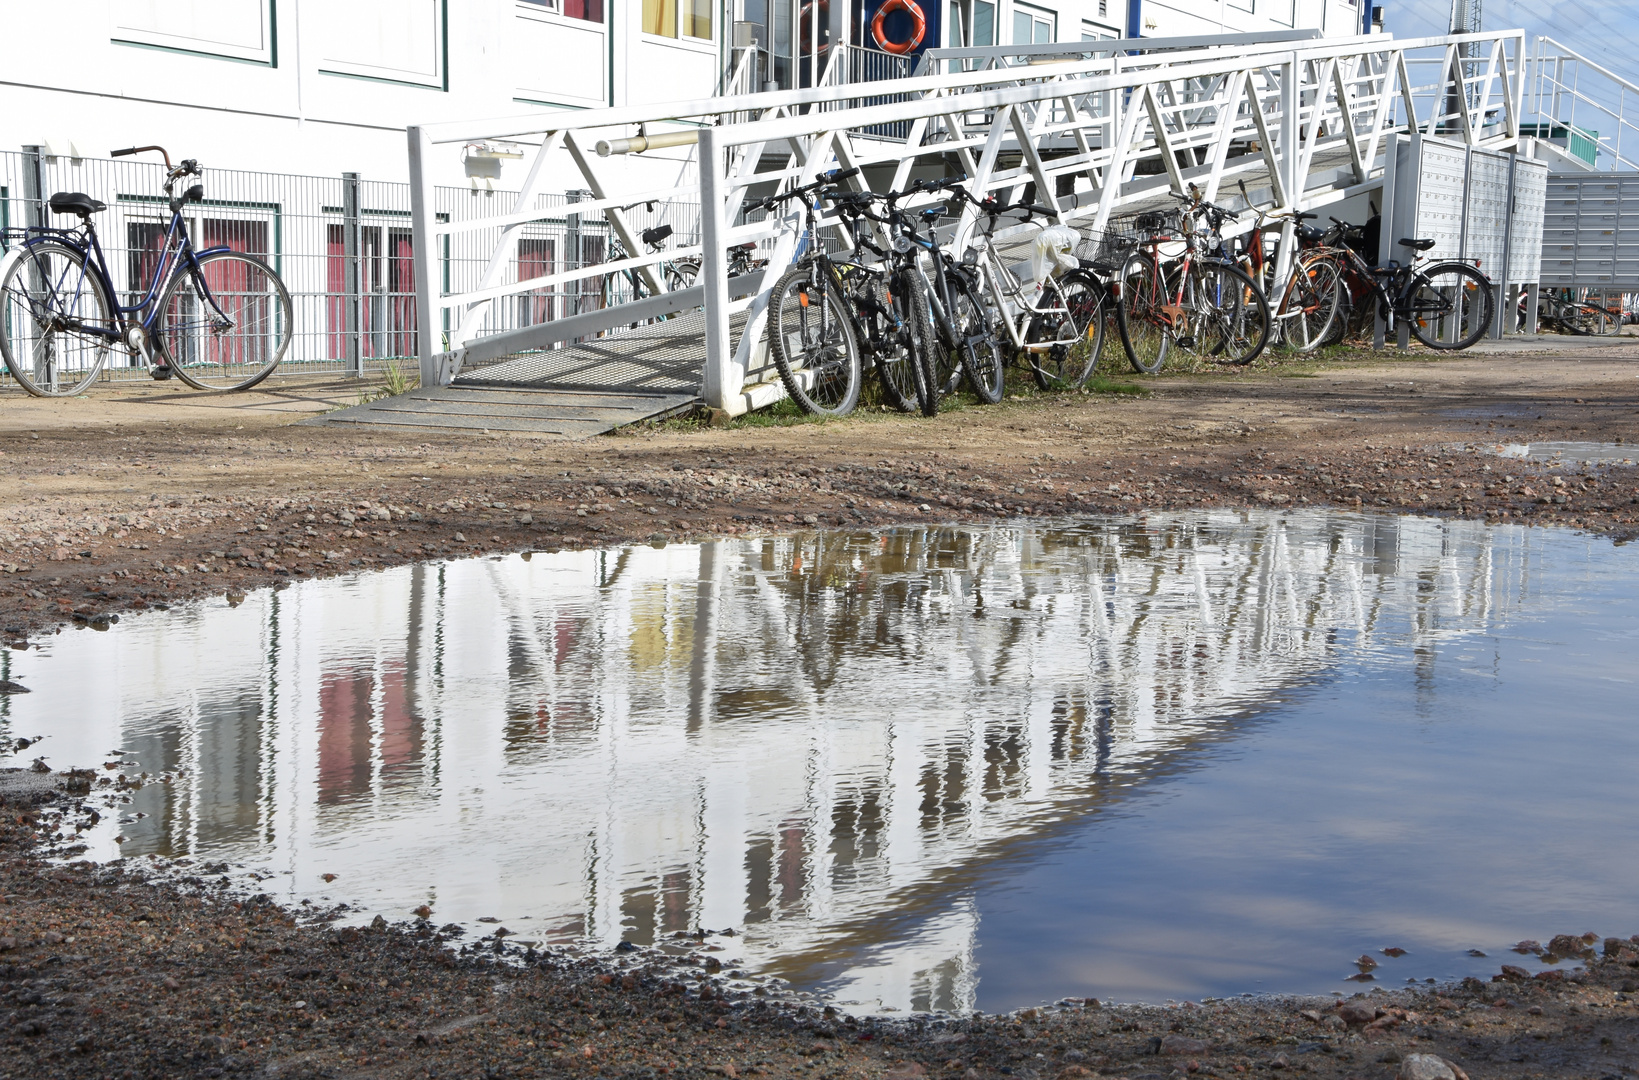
(579, 390)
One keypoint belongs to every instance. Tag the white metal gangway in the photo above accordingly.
(1581, 110)
(1305, 122)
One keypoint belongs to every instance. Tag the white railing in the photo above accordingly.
(1569, 96)
(1309, 120)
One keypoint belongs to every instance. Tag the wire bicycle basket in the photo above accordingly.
(1107, 249)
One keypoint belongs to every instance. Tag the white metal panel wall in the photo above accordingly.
(1442, 173)
(1590, 232)
(1486, 229)
(1525, 230)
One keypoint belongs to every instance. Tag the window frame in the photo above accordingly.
(1037, 16)
(266, 56)
(681, 40)
(439, 80)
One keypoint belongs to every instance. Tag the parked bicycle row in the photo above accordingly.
(925, 320)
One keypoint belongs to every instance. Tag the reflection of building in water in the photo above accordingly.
(817, 740)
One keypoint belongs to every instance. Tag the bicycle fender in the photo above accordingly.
(217, 250)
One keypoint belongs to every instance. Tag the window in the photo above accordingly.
(678, 18)
(589, 10)
(233, 29)
(1091, 31)
(984, 23)
(1033, 26)
(400, 41)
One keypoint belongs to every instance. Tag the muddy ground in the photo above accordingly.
(105, 972)
(140, 496)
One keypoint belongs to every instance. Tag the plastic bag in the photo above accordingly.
(1055, 252)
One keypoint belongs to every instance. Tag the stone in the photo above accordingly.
(1512, 973)
(1356, 1013)
(1428, 1067)
(1179, 1044)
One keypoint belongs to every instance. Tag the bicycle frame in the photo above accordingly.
(176, 255)
(1007, 290)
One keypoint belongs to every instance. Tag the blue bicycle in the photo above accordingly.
(218, 319)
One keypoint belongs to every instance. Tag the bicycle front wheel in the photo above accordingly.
(976, 347)
(226, 325)
(813, 344)
(51, 311)
(1314, 302)
(1231, 314)
(889, 345)
(1143, 321)
(1449, 306)
(1080, 331)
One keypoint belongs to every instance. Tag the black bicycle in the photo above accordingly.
(219, 319)
(1447, 304)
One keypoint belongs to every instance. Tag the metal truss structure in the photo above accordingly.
(1305, 122)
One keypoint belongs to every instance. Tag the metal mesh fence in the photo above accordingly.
(342, 245)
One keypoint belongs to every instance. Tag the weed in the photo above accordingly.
(395, 380)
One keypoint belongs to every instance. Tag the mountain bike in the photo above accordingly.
(1446, 305)
(1176, 291)
(821, 309)
(1056, 325)
(677, 274)
(965, 343)
(218, 319)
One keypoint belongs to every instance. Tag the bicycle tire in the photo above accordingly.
(1144, 334)
(204, 351)
(1232, 315)
(1068, 367)
(889, 345)
(1461, 305)
(911, 305)
(978, 350)
(1317, 293)
(814, 350)
(681, 274)
(39, 357)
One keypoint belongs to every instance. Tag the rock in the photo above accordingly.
(1428, 1067)
(1075, 1072)
(423, 912)
(9, 687)
(1528, 947)
(327, 878)
(1567, 944)
(1280, 1061)
(40, 766)
(1356, 1013)
(1394, 951)
(1511, 973)
(1179, 1044)
(378, 923)
(1475, 952)
(905, 1070)
(1366, 962)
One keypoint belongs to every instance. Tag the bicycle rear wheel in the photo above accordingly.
(910, 306)
(1313, 304)
(889, 345)
(977, 348)
(1449, 306)
(1231, 316)
(51, 308)
(1143, 323)
(813, 343)
(226, 325)
(1069, 366)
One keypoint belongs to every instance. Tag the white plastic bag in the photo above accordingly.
(1055, 252)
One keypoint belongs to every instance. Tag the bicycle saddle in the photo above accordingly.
(749, 245)
(656, 234)
(1309, 234)
(75, 202)
(1416, 245)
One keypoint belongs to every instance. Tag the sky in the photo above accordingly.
(1604, 31)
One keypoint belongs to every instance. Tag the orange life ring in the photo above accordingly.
(918, 20)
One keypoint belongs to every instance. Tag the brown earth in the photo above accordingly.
(107, 971)
(137, 495)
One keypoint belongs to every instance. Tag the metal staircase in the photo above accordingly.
(1098, 128)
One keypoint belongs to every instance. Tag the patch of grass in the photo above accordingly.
(395, 380)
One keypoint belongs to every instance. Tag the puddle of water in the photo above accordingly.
(1608, 453)
(1196, 753)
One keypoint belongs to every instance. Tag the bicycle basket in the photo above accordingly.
(1106, 250)
(1153, 223)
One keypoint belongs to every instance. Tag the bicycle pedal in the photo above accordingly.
(161, 372)
(1186, 342)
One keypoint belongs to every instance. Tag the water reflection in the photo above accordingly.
(829, 742)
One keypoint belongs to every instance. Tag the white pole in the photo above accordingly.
(429, 336)
(720, 382)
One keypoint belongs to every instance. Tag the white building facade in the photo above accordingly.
(323, 88)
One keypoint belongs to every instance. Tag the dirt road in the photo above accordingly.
(138, 495)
